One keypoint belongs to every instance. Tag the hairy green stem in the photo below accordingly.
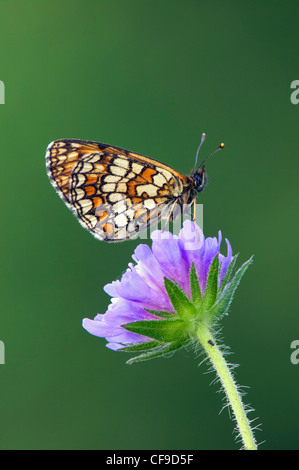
(215, 356)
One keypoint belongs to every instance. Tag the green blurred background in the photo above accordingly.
(148, 76)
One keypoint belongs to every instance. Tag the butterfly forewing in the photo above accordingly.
(113, 192)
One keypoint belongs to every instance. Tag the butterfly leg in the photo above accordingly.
(193, 210)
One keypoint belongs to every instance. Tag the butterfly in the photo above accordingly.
(115, 193)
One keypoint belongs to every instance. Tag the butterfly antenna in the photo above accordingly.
(219, 148)
(201, 142)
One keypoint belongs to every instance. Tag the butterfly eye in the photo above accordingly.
(200, 180)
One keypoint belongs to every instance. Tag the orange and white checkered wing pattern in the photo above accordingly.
(113, 192)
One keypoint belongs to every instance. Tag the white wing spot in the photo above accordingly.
(149, 204)
(123, 162)
(137, 168)
(149, 189)
(108, 187)
(112, 178)
(116, 170)
(121, 220)
(159, 180)
(122, 187)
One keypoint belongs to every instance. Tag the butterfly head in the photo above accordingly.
(199, 175)
(200, 179)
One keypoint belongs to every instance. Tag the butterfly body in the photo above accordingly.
(198, 182)
(115, 193)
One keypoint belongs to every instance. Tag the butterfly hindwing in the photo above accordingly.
(113, 192)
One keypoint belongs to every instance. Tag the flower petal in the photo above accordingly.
(134, 288)
(148, 267)
(225, 261)
(173, 264)
(109, 325)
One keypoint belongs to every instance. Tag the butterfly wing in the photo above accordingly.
(113, 192)
(61, 157)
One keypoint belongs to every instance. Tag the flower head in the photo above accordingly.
(173, 286)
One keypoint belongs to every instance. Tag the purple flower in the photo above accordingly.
(142, 294)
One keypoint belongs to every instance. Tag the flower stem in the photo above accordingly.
(213, 352)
